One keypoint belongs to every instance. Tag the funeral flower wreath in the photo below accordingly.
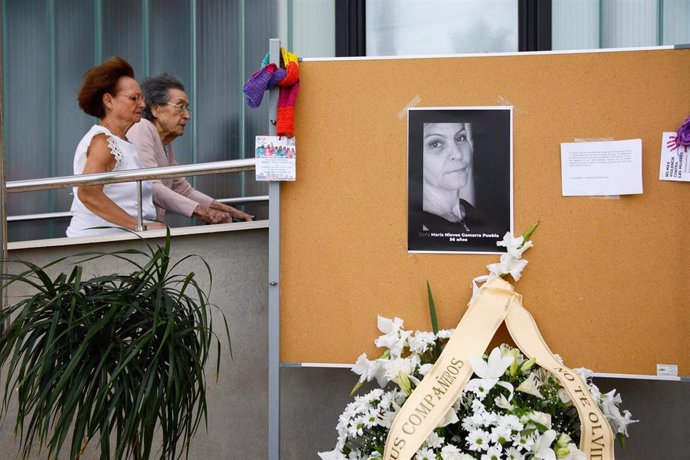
(510, 409)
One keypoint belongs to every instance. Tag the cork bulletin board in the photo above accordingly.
(607, 280)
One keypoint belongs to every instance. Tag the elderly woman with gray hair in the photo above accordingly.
(164, 119)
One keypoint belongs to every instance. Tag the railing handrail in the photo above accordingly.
(65, 214)
(131, 175)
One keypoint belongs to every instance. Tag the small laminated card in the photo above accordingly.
(275, 158)
(674, 160)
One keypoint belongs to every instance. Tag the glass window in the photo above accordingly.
(413, 27)
(308, 27)
(587, 24)
(48, 46)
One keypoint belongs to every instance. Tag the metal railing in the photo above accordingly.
(132, 175)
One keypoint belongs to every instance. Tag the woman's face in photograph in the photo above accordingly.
(447, 155)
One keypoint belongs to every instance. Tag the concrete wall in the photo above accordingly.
(313, 398)
(237, 403)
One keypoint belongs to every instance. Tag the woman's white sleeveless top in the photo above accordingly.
(123, 194)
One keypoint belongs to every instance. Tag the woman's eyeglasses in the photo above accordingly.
(136, 98)
(182, 108)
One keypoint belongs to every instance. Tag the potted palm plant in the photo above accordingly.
(112, 358)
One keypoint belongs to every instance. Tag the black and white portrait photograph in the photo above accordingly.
(460, 193)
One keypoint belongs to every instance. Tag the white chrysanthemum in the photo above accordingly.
(374, 395)
(425, 368)
(451, 452)
(479, 417)
(433, 441)
(445, 333)
(371, 418)
(421, 341)
(389, 401)
(484, 417)
(524, 441)
(500, 435)
(332, 455)
(478, 440)
(510, 421)
(425, 454)
(493, 453)
(514, 453)
(356, 427)
(468, 424)
(479, 387)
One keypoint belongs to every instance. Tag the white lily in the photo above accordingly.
(450, 418)
(494, 367)
(542, 447)
(541, 418)
(573, 453)
(531, 385)
(503, 402)
(490, 372)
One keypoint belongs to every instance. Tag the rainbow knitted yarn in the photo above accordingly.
(287, 78)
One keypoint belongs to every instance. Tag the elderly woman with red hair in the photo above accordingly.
(110, 93)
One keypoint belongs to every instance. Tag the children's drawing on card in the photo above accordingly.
(275, 158)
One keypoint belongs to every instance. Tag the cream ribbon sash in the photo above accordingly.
(429, 403)
(596, 437)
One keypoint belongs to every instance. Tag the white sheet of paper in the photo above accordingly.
(675, 164)
(601, 168)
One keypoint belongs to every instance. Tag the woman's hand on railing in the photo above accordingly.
(233, 212)
(211, 216)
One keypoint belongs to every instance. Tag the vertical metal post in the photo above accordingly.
(273, 280)
(140, 217)
(3, 191)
